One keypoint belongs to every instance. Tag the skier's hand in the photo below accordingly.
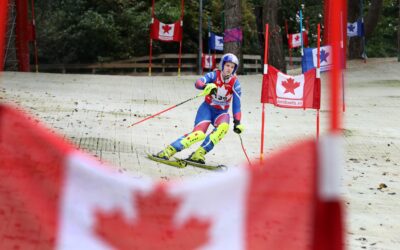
(238, 128)
(210, 88)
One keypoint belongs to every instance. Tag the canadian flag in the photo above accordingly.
(166, 32)
(54, 197)
(301, 91)
(294, 40)
(208, 61)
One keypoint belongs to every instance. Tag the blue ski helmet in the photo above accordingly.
(229, 57)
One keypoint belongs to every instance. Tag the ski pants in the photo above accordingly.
(206, 115)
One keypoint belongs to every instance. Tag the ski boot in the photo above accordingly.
(166, 153)
(198, 156)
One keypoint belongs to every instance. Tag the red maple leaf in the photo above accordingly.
(290, 85)
(296, 37)
(166, 28)
(153, 228)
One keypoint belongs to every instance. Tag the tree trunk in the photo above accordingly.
(372, 18)
(370, 23)
(275, 44)
(233, 19)
(355, 43)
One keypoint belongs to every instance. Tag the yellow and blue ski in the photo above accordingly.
(175, 163)
(204, 166)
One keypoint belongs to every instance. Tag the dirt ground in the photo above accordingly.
(93, 112)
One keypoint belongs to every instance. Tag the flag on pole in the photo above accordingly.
(294, 40)
(166, 32)
(355, 29)
(54, 197)
(310, 58)
(233, 35)
(301, 91)
(215, 42)
(208, 61)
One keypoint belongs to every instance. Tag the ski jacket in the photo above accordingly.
(226, 91)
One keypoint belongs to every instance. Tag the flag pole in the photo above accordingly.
(180, 58)
(200, 52)
(336, 78)
(150, 54)
(262, 132)
(290, 49)
(286, 29)
(180, 42)
(329, 226)
(318, 68)
(203, 62)
(343, 57)
(208, 43)
(263, 104)
(301, 32)
(34, 36)
(363, 31)
(151, 40)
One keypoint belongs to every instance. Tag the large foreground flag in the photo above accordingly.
(355, 29)
(215, 42)
(3, 27)
(54, 197)
(294, 40)
(166, 32)
(310, 58)
(301, 91)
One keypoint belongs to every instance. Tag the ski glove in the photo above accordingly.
(238, 128)
(210, 88)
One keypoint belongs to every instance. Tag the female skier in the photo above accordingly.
(219, 88)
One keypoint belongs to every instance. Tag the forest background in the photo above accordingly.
(88, 31)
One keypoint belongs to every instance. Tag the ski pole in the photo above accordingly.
(244, 150)
(165, 110)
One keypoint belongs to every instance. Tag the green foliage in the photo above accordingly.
(383, 42)
(168, 11)
(84, 31)
(71, 31)
(250, 38)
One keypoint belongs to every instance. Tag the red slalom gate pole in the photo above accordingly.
(265, 71)
(318, 68)
(244, 150)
